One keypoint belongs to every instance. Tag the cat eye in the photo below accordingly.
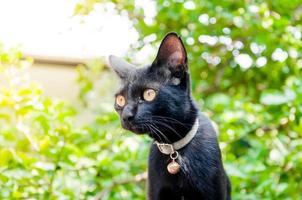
(149, 95)
(120, 100)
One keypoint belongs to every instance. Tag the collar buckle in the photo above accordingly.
(168, 149)
(165, 148)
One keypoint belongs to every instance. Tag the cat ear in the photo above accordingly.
(121, 67)
(172, 53)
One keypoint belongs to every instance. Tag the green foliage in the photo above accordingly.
(45, 155)
(246, 66)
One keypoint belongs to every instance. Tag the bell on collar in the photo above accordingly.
(173, 167)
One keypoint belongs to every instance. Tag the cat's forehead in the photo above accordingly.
(142, 78)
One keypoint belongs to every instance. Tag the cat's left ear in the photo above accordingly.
(172, 54)
(121, 67)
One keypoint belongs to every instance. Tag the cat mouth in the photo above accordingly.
(137, 129)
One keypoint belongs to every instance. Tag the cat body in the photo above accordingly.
(157, 100)
(202, 175)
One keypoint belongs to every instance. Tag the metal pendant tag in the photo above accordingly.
(173, 167)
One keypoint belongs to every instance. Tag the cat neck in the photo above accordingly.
(169, 149)
(174, 130)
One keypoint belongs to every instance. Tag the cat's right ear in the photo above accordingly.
(121, 67)
(172, 53)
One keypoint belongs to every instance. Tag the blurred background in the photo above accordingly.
(59, 135)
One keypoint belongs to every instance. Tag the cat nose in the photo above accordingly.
(128, 114)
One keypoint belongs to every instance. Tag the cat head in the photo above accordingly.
(156, 99)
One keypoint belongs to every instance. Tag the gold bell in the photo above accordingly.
(173, 167)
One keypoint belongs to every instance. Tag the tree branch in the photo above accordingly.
(136, 179)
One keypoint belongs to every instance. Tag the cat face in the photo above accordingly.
(156, 99)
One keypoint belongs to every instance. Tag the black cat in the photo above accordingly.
(185, 159)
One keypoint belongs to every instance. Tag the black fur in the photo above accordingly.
(168, 118)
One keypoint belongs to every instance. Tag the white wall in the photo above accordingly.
(56, 80)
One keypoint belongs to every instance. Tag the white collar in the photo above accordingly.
(168, 149)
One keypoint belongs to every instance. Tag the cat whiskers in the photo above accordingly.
(160, 133)
(171, 120)
(153, 129)
(168, 126)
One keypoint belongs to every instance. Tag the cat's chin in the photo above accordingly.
(135, 129)
(138, 132)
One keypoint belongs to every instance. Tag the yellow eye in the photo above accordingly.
(149, 95)
(120, 100)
